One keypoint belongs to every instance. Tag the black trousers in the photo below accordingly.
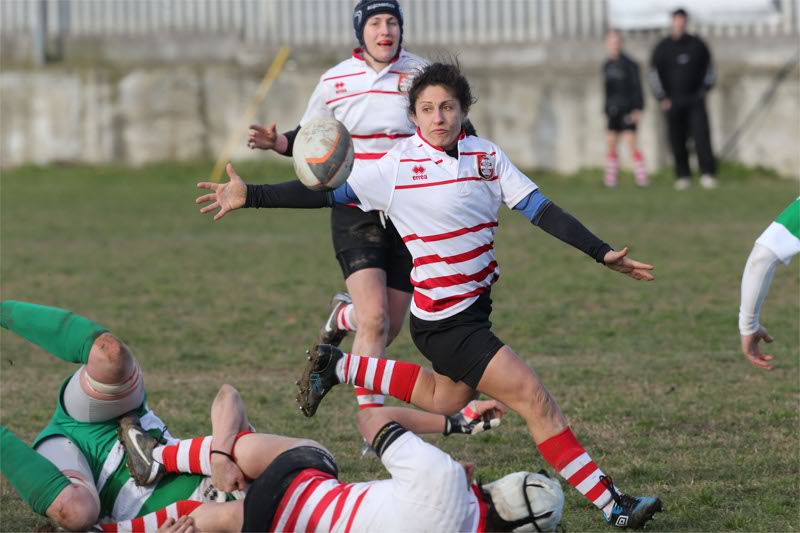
(687, 120)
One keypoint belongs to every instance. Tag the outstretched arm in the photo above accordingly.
(756, 280)
(478, 416)
(548, 216)
(236, 194)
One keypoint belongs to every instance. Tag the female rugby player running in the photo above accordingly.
(366, 93)
(443, 190)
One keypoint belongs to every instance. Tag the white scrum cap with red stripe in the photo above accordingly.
(446, 211)
(522, 496)
(371, 105)
(323, 154)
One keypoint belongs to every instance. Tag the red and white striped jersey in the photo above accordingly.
(427, 492)
(372, 105)
(446, 211)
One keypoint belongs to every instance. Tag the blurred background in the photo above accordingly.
(138, 81)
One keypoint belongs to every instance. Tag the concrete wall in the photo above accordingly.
(180, 99)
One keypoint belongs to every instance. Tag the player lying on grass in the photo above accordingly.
(78, 473)
(443, 189)
(778, 244)
(299, 489)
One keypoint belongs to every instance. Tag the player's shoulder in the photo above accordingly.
(409, 62)
(628, 60)
(662, 45)
(473, 143)
(349, 66)
(405, 148)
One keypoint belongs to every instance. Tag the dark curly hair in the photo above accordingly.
(447, 75)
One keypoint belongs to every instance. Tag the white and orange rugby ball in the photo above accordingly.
(323, 154)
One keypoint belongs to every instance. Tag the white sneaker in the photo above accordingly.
(708, 182)
(681, 184)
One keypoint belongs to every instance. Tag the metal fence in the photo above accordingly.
(328, 22)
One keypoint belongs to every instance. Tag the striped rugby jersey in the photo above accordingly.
(371, 105)
(446, 211)
(427, 492)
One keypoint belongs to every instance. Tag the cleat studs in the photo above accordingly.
(308, 351)
(309, 358)
(297, 382)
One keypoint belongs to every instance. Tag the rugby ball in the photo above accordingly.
(323, 154)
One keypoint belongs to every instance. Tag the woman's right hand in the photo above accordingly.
(226, 196)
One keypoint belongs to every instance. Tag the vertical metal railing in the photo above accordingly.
(328, 22)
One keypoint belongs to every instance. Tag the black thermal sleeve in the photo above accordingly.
(290, 136)
(567, 228)
(287, 194)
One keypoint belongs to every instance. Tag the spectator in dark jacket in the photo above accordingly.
(623, 108)
(681, 73)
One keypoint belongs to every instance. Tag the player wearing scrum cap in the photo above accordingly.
(366, 93)
(444, 189)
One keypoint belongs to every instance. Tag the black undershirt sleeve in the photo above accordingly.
(290, 136)
(287, 194)
(568, 229)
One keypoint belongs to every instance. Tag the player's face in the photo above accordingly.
(613, 44)
(382, 37)
(678, 25)
(438, 115)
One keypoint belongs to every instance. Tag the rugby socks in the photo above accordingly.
(346, 319)
(150, 523)
(62, 333)
(367, 399)
(394, 378)
(565, 454)
(612, 170)
(37, 480)
(640, 170)
(190, 456)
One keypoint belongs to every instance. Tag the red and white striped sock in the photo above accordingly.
(640, 169)
(367, 399)
(565, 454)
(386, 376)
(190, 456)
(345, 319)
(612, 170)
(150, 523)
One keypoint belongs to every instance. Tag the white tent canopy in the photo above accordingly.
(641, 15)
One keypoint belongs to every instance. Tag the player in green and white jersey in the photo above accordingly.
(80, 474)
(778, 244)
(76, 472)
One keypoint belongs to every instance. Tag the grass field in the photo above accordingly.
(650, 375)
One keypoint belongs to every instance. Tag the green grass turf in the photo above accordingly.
(650, 375)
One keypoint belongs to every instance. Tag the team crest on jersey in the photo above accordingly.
(404, 82)
(485, 166)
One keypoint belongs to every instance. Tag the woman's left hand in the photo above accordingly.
(624, 265)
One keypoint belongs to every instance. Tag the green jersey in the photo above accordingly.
(782, 237)
(120, 498)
